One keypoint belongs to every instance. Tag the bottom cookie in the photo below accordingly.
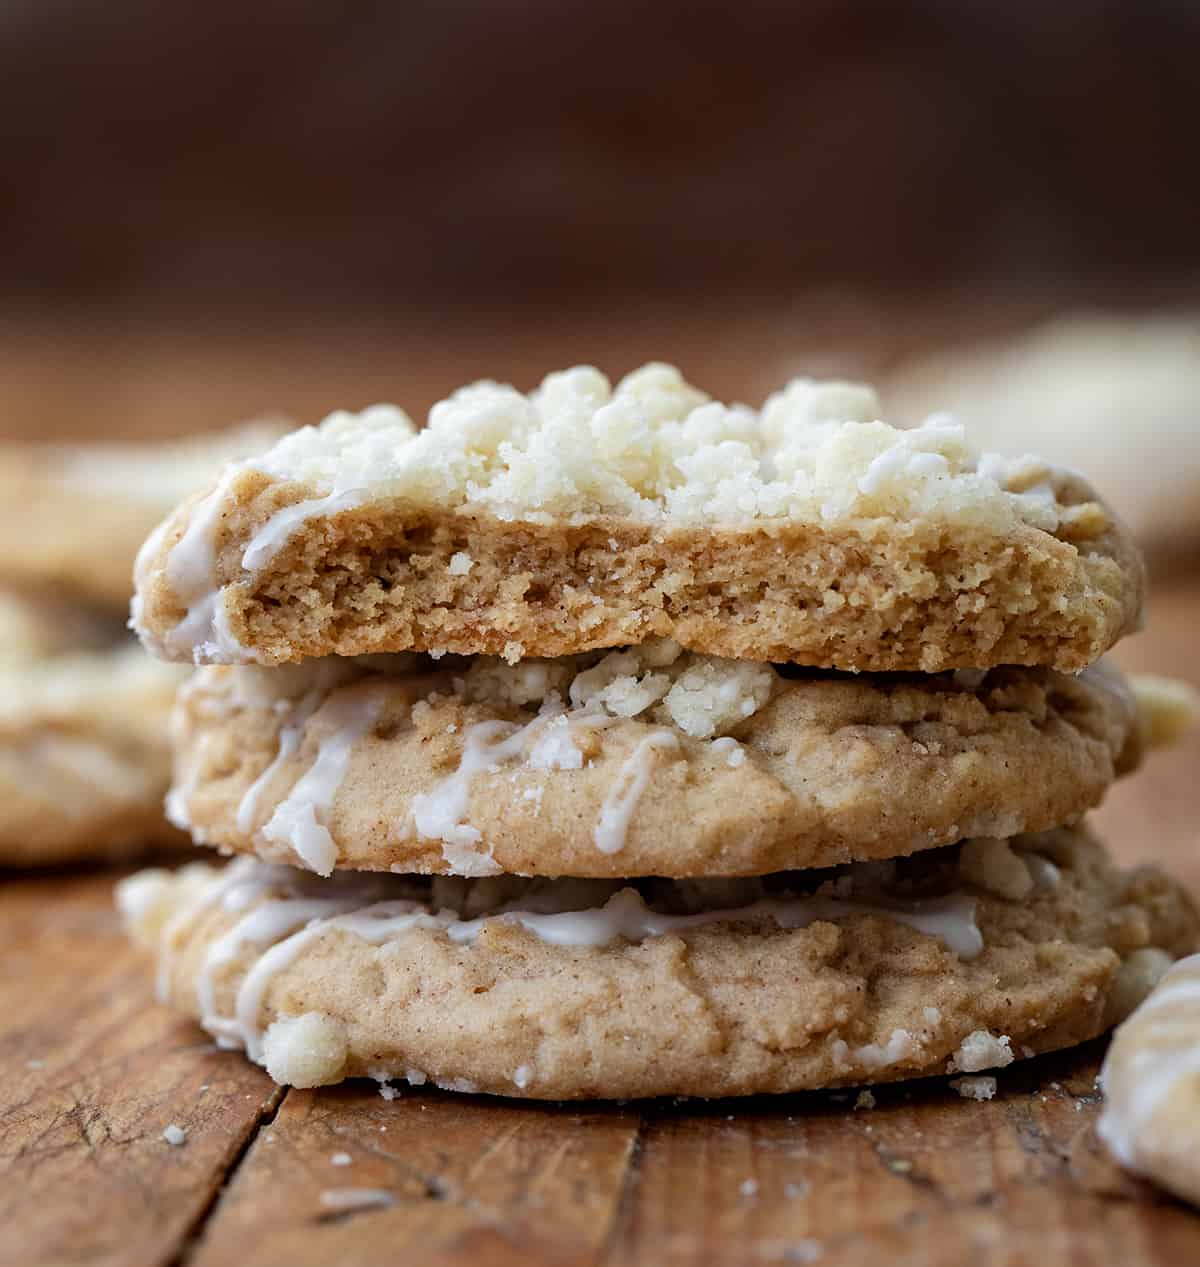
(957, 960)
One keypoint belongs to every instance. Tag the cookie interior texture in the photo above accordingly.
(956, 960)
(646, 761)
(579, 518)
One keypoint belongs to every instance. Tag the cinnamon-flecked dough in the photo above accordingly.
(84, 761)
(650, 761)
(381, 977)
(580, 518)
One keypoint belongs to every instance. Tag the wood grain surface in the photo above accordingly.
(94, 1071)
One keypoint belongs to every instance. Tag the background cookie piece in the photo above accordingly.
(364, 977)
(645, 762)
(581, 517)
(72, 517)
(84, 763)
(1116, 397)
(38, 623)
(1151, 1078)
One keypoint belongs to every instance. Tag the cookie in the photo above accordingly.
(957, 960)
(84, 762)
(72, 517)
(39, 623)
(1117, 397)
(650, 761)
(580, 518)
(1151, 1077)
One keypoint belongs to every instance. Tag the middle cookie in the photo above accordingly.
(651, 761)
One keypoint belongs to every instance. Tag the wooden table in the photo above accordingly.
(94, 1071)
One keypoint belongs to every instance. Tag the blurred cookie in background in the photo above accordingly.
(84, 765)
(72, 517)
(1116, 396)
(84, 760)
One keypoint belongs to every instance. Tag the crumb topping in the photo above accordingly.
(655, 447)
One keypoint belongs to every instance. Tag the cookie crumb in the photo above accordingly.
(975, 1088)
(865, 1100)
(174, 1135)
(983, 1050)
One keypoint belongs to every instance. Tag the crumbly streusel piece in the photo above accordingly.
(561, 991)
(580, 517)
(649, 761)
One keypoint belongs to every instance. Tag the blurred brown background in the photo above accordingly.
(214, 210)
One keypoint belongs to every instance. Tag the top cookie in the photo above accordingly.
(580, 517)
(73, 516)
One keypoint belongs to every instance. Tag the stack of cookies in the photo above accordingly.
(619, 742)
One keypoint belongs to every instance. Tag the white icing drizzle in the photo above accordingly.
(290, 736)
(264, 925)
(621, 801)
(244, 874)
(351, 711)
(203, 634)
(545, 743)
(276, 532)
(288, 926)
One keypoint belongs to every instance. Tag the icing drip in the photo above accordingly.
(297, 821)
(242, 880)
(545, 743)
(203, 634)
(276, 532)
(287, 927)
(622, 800)
(290, 737)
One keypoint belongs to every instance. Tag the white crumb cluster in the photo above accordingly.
(305, 1051)
(702, 695)
(990, 864)
(656, 447)
(977, 1088)
(983, 1050)
(174, 1135)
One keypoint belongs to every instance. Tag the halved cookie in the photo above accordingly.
(952, 961)
(651, 761)
(580, 518)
